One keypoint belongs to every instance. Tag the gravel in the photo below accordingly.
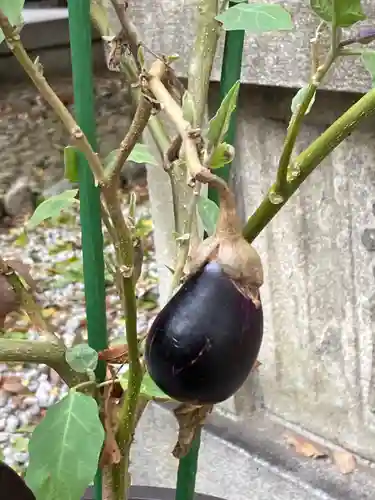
(52, 252)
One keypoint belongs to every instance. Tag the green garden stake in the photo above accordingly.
(230, 73)
(90, 210)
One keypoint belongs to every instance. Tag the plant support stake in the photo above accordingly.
(230, 74)
(90, 212)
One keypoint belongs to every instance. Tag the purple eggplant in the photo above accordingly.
(12, 486)
(205, 341)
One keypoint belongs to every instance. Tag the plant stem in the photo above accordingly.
(139, 123)
(174, 111)
(297, 118)
(28, 303)
(202, 58)
(309, 159)
(42, 352)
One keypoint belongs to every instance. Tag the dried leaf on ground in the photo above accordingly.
(115, 354)
(305, 447)
(190, 419)
(257, 364)
(344, 461)
(13, 384)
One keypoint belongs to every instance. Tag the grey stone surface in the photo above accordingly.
(225, 470)
(277, 59)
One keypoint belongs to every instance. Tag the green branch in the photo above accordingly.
(47, 353)
(309, 159)
(298, 117)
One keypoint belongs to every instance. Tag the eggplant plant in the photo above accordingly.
(205, 341)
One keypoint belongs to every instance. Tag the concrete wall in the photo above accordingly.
(317, 355)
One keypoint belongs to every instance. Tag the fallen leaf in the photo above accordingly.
(13, 384)
(304, 447)
(115, 354)
(344, 460)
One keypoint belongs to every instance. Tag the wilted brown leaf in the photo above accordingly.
(190, 419)
(115, 354)
(304, 447)
(344, 460)
(257, 364)
(111, 452)
(13, 384)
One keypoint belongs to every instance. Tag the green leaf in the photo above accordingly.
(219, 124)
(148, 387)
(71, 164)
(13, 10)
(299, 98)
(64, 449)
(208, 212)
(368, 58)
(256, 18)
(223, 154)
(82, 358)
(348, 12)
(52, 207)
(141, 154)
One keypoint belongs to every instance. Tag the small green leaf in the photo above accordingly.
(223, 154)
(141, 154)
(299, 98)
(188, 108)
(82, 358)
(348, 12)
(219, 124)
(208, 212)
(52, 207)
(148, 387)
(368, 58)
(13, 10)
(256, 18)
(71, 164)
(64, 449)
(22, 239)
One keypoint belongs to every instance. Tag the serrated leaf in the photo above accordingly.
(368, 58)
(64, 449)
(188, 108)
(13, 10)
(71, 164)
(256, 18)
(148, 387)
(219, 124)
(208, 212)
(348, 12)
(82, 358)
(223, 154)
(299, 98)
(52, 207)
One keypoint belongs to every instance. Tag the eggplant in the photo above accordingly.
(203, 344)
(12, 486)
(205, 341)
